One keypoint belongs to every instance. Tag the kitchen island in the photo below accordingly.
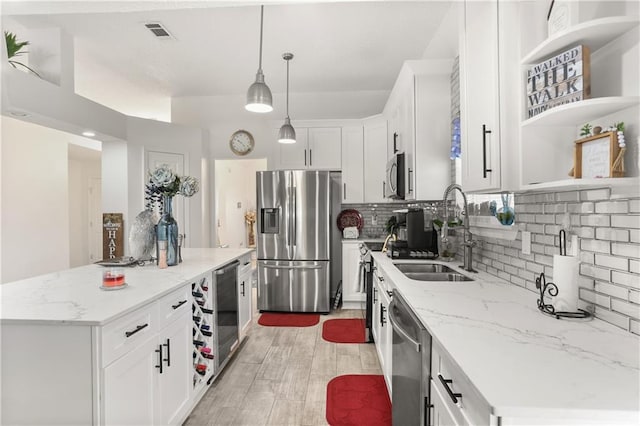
(73, 353)
(524, 366)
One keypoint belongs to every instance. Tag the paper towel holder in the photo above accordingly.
(552, 290)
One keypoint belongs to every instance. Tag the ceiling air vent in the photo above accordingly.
(158, 30)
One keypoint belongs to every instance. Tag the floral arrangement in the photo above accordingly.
(164, 182)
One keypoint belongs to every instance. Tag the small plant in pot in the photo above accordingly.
(14, 48)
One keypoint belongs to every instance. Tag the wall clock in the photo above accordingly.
(241, 142)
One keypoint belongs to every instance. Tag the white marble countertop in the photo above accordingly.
(524, 363)
(74, 296)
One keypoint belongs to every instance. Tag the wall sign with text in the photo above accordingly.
(594, 156)
(112, 235)
(559, 80)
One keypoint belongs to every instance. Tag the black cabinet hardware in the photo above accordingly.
(427, 411)
(484, 151)
(242, 291)
(180, 303)
(445, 382)
(311, 157)
(305, 157)
(395, 142)
(246, 263)
(383, 320)
(410, 187)
(384, 195)
(344, 191)
(138, 328)
(375, 293)
(206, 311)
(198, 343)
(159, 352)
(168, 358)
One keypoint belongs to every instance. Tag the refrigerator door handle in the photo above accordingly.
(291, 267)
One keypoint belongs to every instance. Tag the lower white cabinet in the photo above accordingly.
(440, 414)
(150, 384)
(245, 272)
(382, 331)
(352, 296)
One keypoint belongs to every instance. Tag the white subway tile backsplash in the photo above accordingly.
(552, 229)
(584, 232)
(595, 220)
(612, 290)
(553, 208)
(596, 245)
(544, 218)
(534, 267)
(626, 221)
(634, 296)
(612, 207)
(634, 235)
(546, 197)
(595, 272)
(630, 280)
(596, 298)
(612, 262)
(634, 326)
(518, 281)
(634, 266)
(581, 208)
(612, 234)
(626, 250)
(587, 257)
(543, 259)
(613, 318)
(634, 206)
(535, 228)
(568, 196)
(595, 194)
(624, 307)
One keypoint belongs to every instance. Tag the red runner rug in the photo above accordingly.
(343, 330)
(358, 400)
(272, 319)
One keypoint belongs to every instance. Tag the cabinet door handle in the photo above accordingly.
(138, 328)
(168, 358)
(445, 382)
(384, 195)
(484, 151)
(383, 321)
(310, 157)
(410, 173)
(159, 352)
(305, 157)
(180, 303)
(344, 190)
(375, 293)
(395, 142)
(242, 292)
(427, 412)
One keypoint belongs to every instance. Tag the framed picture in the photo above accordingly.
(594, 156)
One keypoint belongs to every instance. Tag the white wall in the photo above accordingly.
(84, 164)
(35, 209)
(235, 182)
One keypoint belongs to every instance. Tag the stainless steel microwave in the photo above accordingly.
(394, 181)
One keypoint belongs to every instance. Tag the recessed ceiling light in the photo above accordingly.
(88, 133)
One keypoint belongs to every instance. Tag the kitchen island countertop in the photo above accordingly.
(527, 365)
(74, 296)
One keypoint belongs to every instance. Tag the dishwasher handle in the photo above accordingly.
(400, 330)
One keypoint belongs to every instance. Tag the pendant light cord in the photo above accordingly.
(261, 19)
(288, 88)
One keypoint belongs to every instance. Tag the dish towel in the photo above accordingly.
(350, 232)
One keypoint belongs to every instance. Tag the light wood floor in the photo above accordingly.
(280, 376)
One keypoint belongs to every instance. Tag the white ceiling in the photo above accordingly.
(338, 46)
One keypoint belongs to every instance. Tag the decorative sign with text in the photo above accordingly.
(594, 156)
(112, 236)
(559, 80)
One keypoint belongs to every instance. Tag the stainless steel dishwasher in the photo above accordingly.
(226, 309)
(411, 365)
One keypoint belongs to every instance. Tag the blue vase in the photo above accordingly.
(167, 230)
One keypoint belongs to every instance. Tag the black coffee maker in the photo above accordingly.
(419, 238)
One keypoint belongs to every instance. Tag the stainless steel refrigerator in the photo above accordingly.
(294, 215)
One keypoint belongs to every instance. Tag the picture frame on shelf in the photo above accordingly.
(594, 156)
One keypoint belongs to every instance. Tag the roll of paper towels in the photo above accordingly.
(565, 277)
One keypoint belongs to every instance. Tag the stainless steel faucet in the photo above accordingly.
(468, 243)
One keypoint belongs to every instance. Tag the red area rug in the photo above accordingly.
(358, 400)
(343, 330)
(272, 319)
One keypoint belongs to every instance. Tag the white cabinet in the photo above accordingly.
(382, 330)
(130, 386)
(245, 272)
(316, 148)
(547, 139)
(375, 159)
(150, 383)
(352, 164)
(353, 297)
(419, 115)
(440, 414)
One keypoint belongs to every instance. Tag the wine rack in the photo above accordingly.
(204, 339)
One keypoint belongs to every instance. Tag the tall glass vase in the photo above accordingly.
(167, 230)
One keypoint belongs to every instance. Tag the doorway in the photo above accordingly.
(235, 199)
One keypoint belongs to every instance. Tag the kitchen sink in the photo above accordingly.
(430, 272)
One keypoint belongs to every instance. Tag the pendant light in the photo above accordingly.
(259, 96)
(287, 133)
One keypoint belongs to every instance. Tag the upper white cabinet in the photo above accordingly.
(418, 110)
(315, 149)
(375, 159)
(547, 139)
(352, 164)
